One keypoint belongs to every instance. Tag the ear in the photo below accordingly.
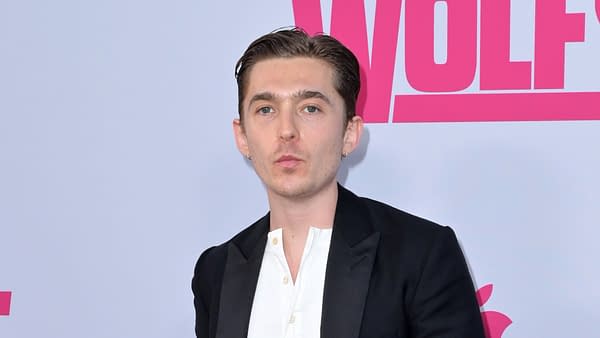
(240, 137)
(352, 134)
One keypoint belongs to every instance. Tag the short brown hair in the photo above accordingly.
(295, 42)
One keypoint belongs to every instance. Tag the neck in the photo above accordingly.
(296, 215)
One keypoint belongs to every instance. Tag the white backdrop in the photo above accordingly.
(118, 167)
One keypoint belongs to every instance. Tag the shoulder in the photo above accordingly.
(407, 235)
(208, 271)
(212, 261)
(425, 262)
(393, 221)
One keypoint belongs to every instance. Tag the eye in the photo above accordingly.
(311, 109)
(265, 110)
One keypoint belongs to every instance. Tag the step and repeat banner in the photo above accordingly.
(118, 165)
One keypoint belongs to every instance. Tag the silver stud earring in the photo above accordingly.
(249, 157)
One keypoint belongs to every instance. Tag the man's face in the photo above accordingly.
(294, 126)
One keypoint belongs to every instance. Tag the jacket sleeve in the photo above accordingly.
(201, 288)
(444, 303)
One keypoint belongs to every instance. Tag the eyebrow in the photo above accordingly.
(301, 94)
(311, 94)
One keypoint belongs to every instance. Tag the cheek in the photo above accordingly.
(256, 141)
(329, 149)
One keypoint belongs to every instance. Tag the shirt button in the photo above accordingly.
(286, 280)
(292, 319)
(275, 241)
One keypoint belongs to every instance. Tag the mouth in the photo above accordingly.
(288, 161)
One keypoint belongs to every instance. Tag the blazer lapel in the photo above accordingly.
(244, 257)
(349, 265)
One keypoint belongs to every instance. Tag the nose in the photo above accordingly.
(288, 129)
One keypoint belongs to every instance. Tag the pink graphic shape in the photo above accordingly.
(458, 72)
(598, 10)
(484, 294)
(496, 69)
(348, 24)
(494, 322)
(564, 106)
(5, 303)
(553, 28)
(307, 14)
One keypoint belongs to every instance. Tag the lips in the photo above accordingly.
(288, 161)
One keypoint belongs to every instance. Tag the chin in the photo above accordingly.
(291, 192)
(298, 189)
(290, 189)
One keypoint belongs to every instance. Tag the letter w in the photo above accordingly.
(348, 24)
(5, 303)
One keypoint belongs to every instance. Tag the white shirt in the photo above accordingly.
(281, 308)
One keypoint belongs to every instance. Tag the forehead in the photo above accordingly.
(285, 76)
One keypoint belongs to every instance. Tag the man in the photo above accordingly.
(323, 262)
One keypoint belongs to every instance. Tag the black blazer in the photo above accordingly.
(389, 274)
